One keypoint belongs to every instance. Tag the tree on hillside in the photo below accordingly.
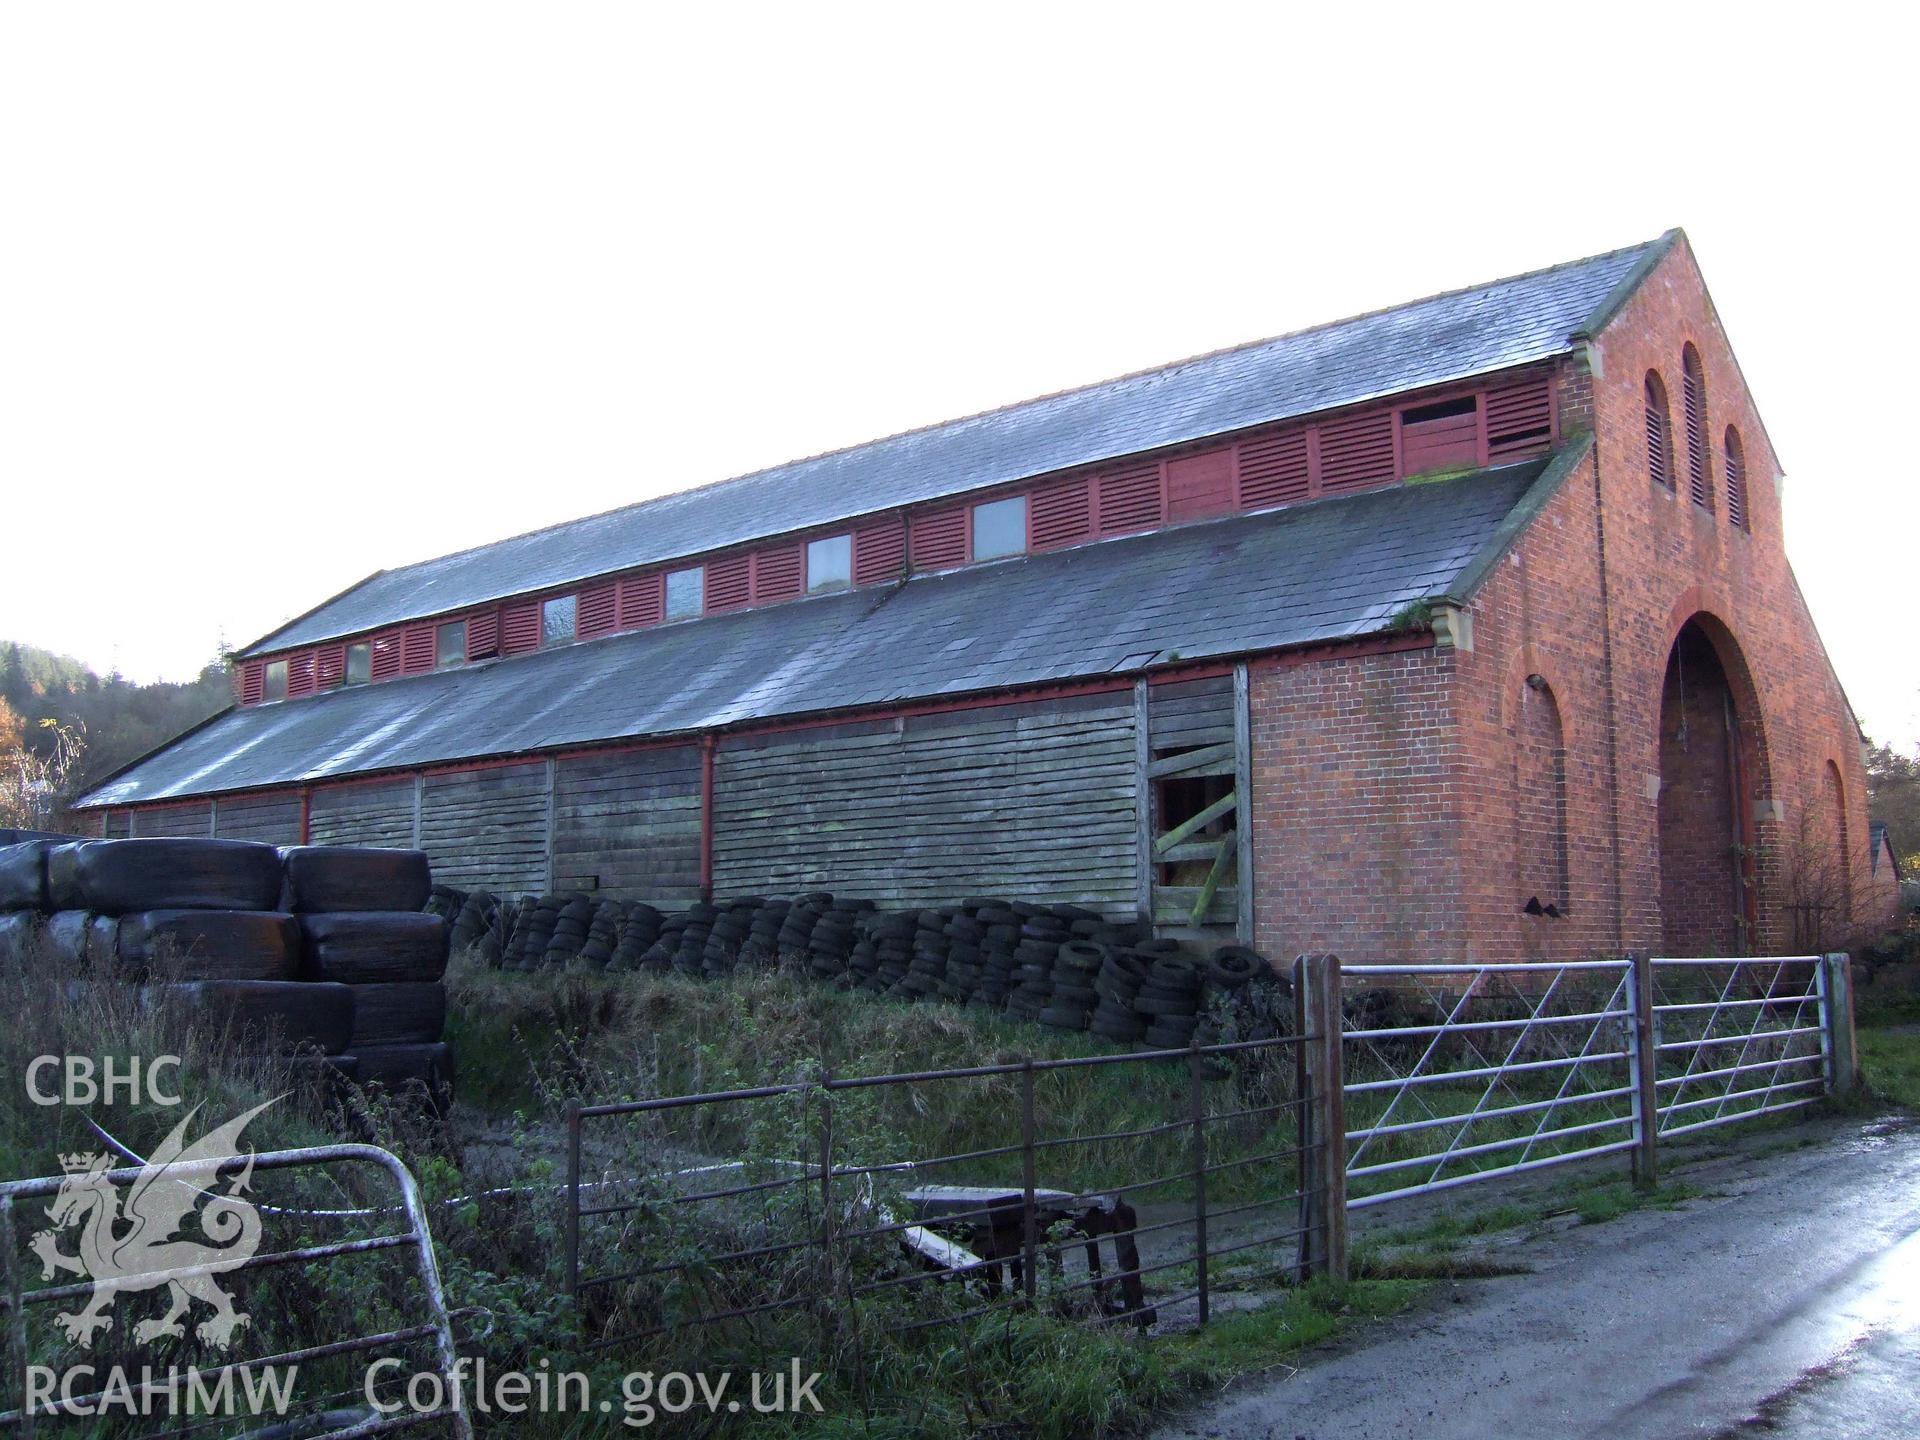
(1893, 796)
(121, 720)
(35, 782)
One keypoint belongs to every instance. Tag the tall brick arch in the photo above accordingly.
(1713, 764)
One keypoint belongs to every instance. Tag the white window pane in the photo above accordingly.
(556, 621)
(686, 593)
(276, 681)
(359, 664)
(829, 563)
(450, 644)
(1000, 528)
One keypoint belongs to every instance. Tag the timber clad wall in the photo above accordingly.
(1035, 801)
(270, 819)
(176, 820)
(629, 823)
(364, 815)
(487, 828)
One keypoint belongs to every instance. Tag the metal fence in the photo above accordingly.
(797, 1201)
(415, 1238)
(1061, 1184)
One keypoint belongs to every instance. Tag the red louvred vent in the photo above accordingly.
(1693, 405)
(329, 666)
(252, 678)
(416, 648)
(1736, 459)
(937, 539)
(599, 611)
(1128, 499)
(300, 680)
(1356, 453)
(519, 627)
(1062, 513)
(385, 658)
(1200, 485)
(1440, 436)
(879, 552)
(641, 600)
(1519, 419)
(1273, 469)
(776, 574)
(729, 584)
(483, 634)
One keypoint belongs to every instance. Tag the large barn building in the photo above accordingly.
(1458, 630)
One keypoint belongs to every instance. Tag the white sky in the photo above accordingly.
(290, 294)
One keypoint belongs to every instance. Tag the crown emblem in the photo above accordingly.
(77, 1163)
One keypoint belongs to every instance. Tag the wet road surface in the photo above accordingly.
(1783, 1302)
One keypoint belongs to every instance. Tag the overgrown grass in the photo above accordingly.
(1890, 1061)
(529, 1043)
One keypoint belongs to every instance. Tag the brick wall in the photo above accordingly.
(1659, 560)
(1355, 813)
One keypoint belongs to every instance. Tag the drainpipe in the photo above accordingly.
(306, 814)
(707, 744)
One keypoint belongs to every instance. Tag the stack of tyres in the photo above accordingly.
(363, 930)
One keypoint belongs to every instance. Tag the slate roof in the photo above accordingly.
(1445, 338)
(1327, 570)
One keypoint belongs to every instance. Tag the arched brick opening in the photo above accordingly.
(1711, 749)
(1820, 875)
(1539, 800)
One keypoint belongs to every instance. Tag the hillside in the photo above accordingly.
(119, 719)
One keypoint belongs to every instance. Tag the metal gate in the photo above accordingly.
(1455, 1074)
(415, 1236)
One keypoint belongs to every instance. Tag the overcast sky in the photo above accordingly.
(291, 294)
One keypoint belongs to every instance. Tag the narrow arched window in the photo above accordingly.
(1736, 468)
(1539, 803)
(1693, 405)
(1659, 432)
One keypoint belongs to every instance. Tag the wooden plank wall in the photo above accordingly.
(1032, 801)
(271, 819)
(380, 814)
(629, 824)
(196, 819)
(487, 829)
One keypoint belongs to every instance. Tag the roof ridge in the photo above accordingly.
(1165, 368)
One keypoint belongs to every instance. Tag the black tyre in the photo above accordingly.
(268, 1014)
(323, 879)
(373, 949)
(118, 877)
(1064, 1017)
(403, 1014)
(23, 875)
(1144, 1004)
(1232, 966)
(210, 944)
(1109, 1028)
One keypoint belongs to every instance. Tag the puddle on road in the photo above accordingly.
(1869, 1377)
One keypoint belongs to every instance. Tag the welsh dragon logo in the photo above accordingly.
(137, 1246)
